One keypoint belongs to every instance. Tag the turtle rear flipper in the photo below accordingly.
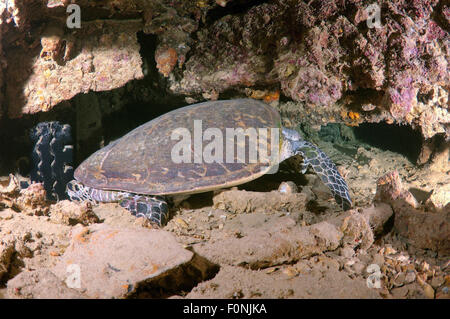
(152, 208)
(327, 172)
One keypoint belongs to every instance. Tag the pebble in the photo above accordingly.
(378, 259)
(351, 262)
(359, 268)
(368, 107)
(399, 292)
(271, 270)
(288, 188)
(421, 278)
(400, 279)
(428, 290)
(347, 252)
(409, 267)
(365, 258)
(445, 265)
(389, 251)
(410, 277)
(348, 266)
(290, 272)
(181, 222)
(437, 281)
(402, 258)
(425, 266)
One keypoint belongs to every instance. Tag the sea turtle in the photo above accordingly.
(139, 168)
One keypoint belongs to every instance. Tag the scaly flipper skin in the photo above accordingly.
(153, 208)
(294, 144)
(327, 172)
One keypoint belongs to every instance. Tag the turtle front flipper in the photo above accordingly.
(152, 208)
(326, 170)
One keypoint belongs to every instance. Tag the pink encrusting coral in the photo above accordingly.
(319, 52)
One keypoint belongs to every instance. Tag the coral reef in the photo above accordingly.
(39, 78)
(324, 52)
(426, 230)
(31, 200)
(329, 57)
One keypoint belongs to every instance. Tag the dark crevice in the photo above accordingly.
(420, 195)
(178, 281)
(388, 226)
(16, 266)
(314, 207)
(363, 96)
(235, 7)
(395, 138)
(438, 16)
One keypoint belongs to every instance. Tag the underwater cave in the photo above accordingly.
(402, 139)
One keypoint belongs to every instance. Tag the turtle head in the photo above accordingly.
(290, 139)
(294, 144)
(291, 135)
(77, 191)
